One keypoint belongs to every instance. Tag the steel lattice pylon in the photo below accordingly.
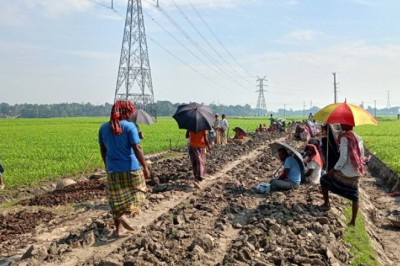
(261, 106)
(134, 75)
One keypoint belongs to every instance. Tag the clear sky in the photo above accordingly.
(68, 51)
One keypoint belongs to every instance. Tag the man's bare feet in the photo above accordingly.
(352, 223)
(325, 207)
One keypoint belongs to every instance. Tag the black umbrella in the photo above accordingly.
(194, 117)
(142, 117)
(279, 144)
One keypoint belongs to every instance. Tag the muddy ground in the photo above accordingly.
(225, 222)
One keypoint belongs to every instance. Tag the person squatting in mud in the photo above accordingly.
(290, 178)
(343, 178)
(125, 165)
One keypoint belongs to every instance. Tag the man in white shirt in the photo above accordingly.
(216, 127)
(343, 179)
(223, 129)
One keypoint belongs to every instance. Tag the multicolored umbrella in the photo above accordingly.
(345, 113)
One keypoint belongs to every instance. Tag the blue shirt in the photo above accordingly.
(294, 174)
(120, 156)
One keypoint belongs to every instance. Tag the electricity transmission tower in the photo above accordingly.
(334, 88)
(388, 100)
(134, 75)
(261, 106)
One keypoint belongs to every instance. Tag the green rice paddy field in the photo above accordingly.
(34, 150)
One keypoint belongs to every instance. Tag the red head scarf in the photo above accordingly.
(121, 110)
(315, 156)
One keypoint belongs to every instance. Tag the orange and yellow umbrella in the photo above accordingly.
(344, 113)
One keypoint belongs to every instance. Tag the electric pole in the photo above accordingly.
(284, 110)
(375, 108)
(134, 74)
(261, 106)
(334, 88)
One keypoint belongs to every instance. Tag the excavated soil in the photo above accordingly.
(225, 222)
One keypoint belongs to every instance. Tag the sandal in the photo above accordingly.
(126, 223)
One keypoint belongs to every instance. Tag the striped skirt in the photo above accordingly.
(125, 192)
(341, 185)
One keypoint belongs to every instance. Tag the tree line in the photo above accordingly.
(162, 108)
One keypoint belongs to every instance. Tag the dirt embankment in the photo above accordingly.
(226, 222)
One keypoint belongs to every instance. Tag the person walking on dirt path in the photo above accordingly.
(216, 127)
(343, 178)
(2, 185)
(224, 127)
(198, 145)
(291, 176)
(125, 165)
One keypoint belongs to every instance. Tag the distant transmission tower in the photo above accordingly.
(261, 106)
(334, 88)
(134, 75)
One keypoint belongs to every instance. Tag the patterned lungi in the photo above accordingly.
(341, 185)
(125, 191)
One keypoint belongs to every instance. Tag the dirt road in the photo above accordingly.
(226, 222)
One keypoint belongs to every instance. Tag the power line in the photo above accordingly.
(205, 39)
(192, 68)
(195, 44)
(169, 52)
(219, 41)
(179, 42)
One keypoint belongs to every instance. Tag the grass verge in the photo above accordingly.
(360, 246)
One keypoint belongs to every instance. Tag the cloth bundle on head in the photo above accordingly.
(354, 151)
(121, 110)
